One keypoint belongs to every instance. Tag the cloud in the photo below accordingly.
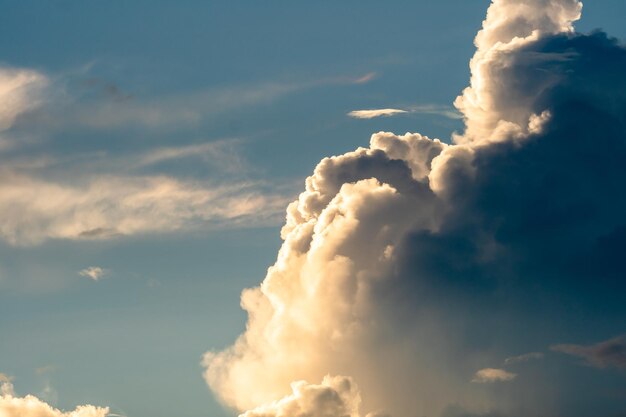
(20, 90)
(405, 263)
(444, 111)
(608, 354)
(365, 78)
(223, 153)
(334, 397)
(31, 406)
(490, 375)
(370, 114)
(93, 272)
(6, 385)
(524, 358)
(34, 210)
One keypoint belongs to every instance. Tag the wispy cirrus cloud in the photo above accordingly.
(607, 354)
(524, 358)
(34, 210)
(444, 111)
(372, 113)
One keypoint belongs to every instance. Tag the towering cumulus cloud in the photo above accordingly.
(412, 264)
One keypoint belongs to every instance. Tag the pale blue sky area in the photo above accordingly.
(271, 82)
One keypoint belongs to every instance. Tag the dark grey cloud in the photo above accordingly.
(608, 354)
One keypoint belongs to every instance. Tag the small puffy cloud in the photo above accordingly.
(31, 406)
(372, 113)
(608, 354)
(93, 272)
(335, 397)
(489, 375)
(524, 358)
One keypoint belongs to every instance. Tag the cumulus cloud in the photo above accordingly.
(93, 272)
(31, 406)
(407, 262)
(372, 113)
(608, 354)
(334, 397)
(489, 375)
(34, 210)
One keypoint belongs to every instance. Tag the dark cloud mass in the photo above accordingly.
(412, 264)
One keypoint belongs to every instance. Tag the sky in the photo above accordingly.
(157, 158)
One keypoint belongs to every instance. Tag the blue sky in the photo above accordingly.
(234, 100)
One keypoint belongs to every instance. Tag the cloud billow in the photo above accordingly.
(406, 263)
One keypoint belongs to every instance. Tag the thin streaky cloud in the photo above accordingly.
(524, 358)
(607, 354)
(366, 78)
(443, 111)
(372, 113)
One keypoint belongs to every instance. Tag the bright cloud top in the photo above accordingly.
(31, 406)
(397, 256)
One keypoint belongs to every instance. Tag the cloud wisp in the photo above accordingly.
(608, 354)
(373, 113)
(400, 259)
(34, 210)
(444, 111)
(524, 358)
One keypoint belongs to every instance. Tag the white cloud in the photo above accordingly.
(490, 375)
(20, 91)
(6, 385)
(93, 272)
(34, 210)
(372, 113)
(493, 113)
(334, 397)
(444, 111)
(31, 406)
